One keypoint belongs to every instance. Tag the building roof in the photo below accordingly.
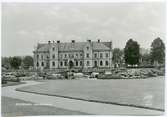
(77, 46)
(43, 48)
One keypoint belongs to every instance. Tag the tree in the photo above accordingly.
(132, 52)
(27, 62)
(157, 51)
(145, 59)
(117, 56)
(15, 62)
(6, 62)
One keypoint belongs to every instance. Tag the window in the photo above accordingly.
(76, 55)
(53, 56)
(101, 63)
(80, 63)
(95, 55)
(42, 64)
(81, 55)
(106, 63)
(101, 55)
(61, 63)
(106, 55)
(53, 48)
(87, 55)
(41, 56)
(65, 56)
(95, 63)
(53, 63)
(37, 56)
(87, 48)
(37, 64)
(87, 63)
(65, 63)
(76, 63)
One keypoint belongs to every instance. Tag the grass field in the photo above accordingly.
(138, 92)
(10, 108)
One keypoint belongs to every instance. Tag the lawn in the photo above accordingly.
(135, 92)
(10, 108)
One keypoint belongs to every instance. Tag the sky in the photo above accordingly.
(26, 24)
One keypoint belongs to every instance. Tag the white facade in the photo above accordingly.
(76, 55)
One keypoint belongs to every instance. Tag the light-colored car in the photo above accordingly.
(78, 75)
(94, 75)
(54, 76)
(108, 72)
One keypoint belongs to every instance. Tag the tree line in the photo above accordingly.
(131, 54)
(17, 62)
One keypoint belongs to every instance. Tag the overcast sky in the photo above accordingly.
(24, 25)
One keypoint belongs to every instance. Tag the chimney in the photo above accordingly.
(73, 41)
(58, 41)
(110, 44)
(98, 40)
(89, 41)
(48, 42)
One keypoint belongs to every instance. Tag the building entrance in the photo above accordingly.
(71, 64)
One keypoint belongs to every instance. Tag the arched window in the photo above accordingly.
(61, 63)
(65, 63)
(37, 56)
(76, 63)
(95, 63)
(95, 55)
(65, 56)
(80, 63)
(106, 63)
(53, 56)
(53, 63)
(87, 63)
(87, 55)
(37, 64)
(42, 63)
(101, 63)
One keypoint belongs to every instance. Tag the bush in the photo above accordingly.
(108, 76)
(3, 81)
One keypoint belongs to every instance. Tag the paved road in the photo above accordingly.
(76, 105)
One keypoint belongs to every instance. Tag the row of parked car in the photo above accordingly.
(132, 74)
(67, 75)
(115, 74)
(12, 76)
